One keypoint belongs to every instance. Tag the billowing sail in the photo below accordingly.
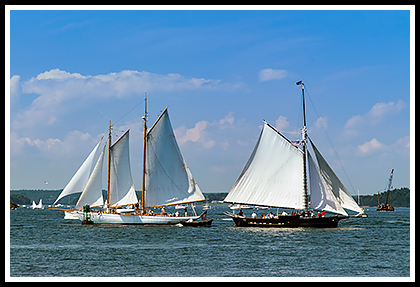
(322, 198)
(92, 192)
(272, 175)
(168, 178)
(121, 191)
(334, 183)
(80, 178)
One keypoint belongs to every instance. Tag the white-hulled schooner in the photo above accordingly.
(167, 180)
(276, 175)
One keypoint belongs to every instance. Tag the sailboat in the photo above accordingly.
(167, 180)
(37, 206)
(283, 174)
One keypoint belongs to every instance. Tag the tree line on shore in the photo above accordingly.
(400, 197)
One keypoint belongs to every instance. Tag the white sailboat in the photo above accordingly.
(167, 180)
(277, 175)
(37, 206)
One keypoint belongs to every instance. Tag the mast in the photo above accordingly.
(144, 151)
(109, 166)
(304, 136)
(390, 186)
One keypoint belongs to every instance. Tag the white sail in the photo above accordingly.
(322, 198)
(121, 191)
(80, 178)
(272, 175)
(92, 192)
(338, 189)
(168, 178)
(37, 206)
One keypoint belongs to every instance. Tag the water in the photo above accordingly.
(42, 243)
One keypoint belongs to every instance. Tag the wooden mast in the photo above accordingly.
(144, 152)
(109, 166)
(304, 136)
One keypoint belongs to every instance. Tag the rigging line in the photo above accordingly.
(329, 139)
(127, 113)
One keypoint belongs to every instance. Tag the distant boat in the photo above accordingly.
(387, 206)
(37, 206)
(167, 180)
(240, 206)
(276, 175)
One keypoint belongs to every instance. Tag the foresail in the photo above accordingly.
(273, 175)
(80, 178)
(338, 189)
(92, 192)
(122, 190)
(168, 178)
(322, 198)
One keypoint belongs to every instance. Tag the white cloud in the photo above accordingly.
(74, 144)
(15, 89)
(281, 123)
(228, 119)
(322, 122)
(401, 147)
(195, 134)
(371, 146)
(270, 74)
(57, 74)
(377, 114)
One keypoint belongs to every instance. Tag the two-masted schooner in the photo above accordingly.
(283, 174)
(167, 180)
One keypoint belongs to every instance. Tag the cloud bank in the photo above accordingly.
(60, 91)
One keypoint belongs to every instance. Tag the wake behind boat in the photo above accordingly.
(276, 175)
(167, 180)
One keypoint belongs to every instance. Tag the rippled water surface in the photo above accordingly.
(42, 243)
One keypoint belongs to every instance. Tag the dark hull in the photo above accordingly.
(289, 221)
(389, 208)
(197, 223)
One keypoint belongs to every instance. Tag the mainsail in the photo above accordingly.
(272, 175)
(80, 178)
(168, 179)
(122, 190)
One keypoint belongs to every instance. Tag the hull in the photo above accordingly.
(197, 223)
(115, 218)
(289, 221)
(385, 208)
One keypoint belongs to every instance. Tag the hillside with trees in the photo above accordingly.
(400, 197)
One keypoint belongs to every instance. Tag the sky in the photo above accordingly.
(221, 73)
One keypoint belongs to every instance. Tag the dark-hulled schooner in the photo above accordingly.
(283, 174)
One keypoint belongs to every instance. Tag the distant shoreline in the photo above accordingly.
(401, 196)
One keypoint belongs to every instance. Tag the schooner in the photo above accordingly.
(283, 174)
(167, 180)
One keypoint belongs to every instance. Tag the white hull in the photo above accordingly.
(113, 218)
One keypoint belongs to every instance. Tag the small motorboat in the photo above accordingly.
(197, 223)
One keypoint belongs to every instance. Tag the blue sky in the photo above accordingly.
(221, 73)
